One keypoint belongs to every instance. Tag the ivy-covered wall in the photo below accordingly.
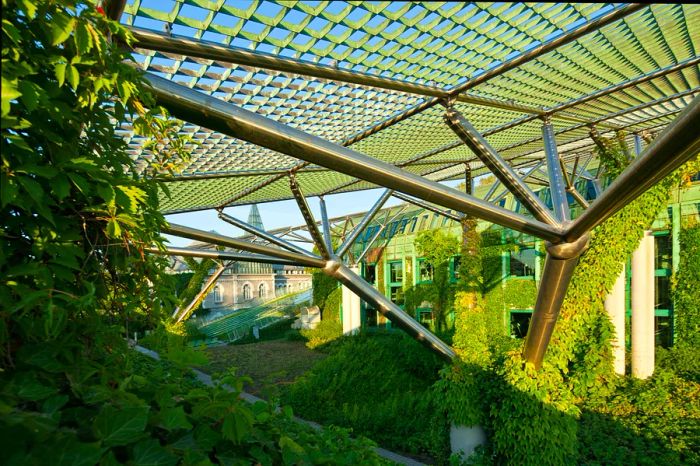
(686, 288)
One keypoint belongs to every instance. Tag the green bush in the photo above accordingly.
(325, 332)
(646, 422)
(686, 289)
(380, 385)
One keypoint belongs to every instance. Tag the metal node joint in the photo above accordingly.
(558, 268)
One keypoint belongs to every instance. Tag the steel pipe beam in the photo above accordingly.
(557, 187)
(367, 292)
(430, 207)
(488, 155)
(355, 233)
(183, 314)
(678, 143)
(311, 224)
(570, 188)
(247, 227)
(326, 226)
(558, 269)
(224, 255)
(220, 240)
(196, 107)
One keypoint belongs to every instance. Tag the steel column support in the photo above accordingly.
(224, 255)
(180, 315)
(326, 226)
(557, 187)
(678, 143)
(263, 234)
(570, 188)
(195, 107)
(637, 144)
(488, 155)
(427, 206)
(367, 292)
(311, 224)
(220, 240)
(558, 269)
(371, 213)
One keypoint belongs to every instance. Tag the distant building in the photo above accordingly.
(247, 284)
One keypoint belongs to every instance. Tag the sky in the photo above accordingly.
(282, 213)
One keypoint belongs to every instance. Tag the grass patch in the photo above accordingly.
(270, 364)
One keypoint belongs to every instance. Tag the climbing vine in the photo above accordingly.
(686, 288)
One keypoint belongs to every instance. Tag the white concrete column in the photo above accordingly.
(351, 310)
(643, 308)
(615, 307)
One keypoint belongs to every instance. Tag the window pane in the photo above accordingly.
(662, 293)
(522, 263)
(455, 266)
(663, 254)
(519, 323)
(425, 271)
(396, 293)
(395, 272)
(664, 331)
(371, 273)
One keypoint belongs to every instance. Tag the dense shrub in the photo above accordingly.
(325, 332)
(75, 214)
(686, 289)
(380, 386)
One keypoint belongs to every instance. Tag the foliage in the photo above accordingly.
(322, 287)
(325, 332)
(75, 213)
(686, 289)
(154, 413)
(200, 270)
(380, 386)
(577, 365)
(653, 421)
(331, 306)
(438, 247)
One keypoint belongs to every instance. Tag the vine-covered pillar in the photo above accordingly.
(615, 305)
(643, 308)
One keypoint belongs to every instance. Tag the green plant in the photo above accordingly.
(380, 386)
(75, 214)
(325, 332)
(686, 288)
(438, 247)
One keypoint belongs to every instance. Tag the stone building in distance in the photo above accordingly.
(247, 284)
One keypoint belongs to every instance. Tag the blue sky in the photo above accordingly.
(281, 213)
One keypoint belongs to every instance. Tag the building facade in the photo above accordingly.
(247, 284)
(392, 263)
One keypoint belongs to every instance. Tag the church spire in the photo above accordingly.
(254, 217)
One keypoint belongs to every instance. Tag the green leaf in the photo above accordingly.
(31, 389)
(73, 76)
(31, 94)
(9, 93)
(74, 453)
(34, 189)
(237, 425)
(60, 187)
(28, 7)
(120, 426)
(113, 229)
(150, 453)
(174, 418)
(61, 27)
(83, 39)
(60, 71)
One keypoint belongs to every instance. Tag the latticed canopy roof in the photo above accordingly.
(322, 60)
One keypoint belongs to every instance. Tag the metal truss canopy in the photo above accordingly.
(345, 96)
